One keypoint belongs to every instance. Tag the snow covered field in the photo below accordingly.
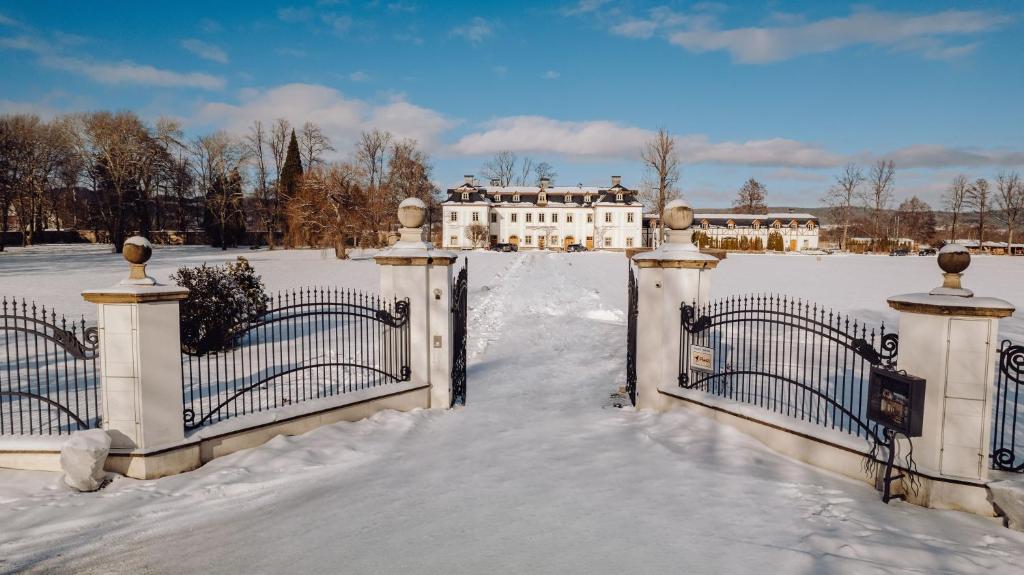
(537, 474)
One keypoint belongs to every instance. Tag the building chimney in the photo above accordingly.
(616, 180)
(495, 182)
(544, 183)
(469, 179)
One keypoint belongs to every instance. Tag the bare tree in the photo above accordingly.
(841, 197)
(477, 233)
(525, 172)
(954, 199)
(1010, 200)
(661, 159)
(751, 198)
(312, 144)
(256, 148)
(878, 195)
(501, 168)
(917, 219)
(979, 200)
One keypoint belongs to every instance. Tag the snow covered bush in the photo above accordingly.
(220, 299)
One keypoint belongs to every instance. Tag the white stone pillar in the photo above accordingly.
(413, 269)
(950, 338)
(674, 274)
(140, 356)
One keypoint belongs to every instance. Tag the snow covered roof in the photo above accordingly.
(739, 217)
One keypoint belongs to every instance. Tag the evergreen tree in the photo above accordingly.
(291, 173)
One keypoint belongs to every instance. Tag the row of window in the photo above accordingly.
(453, 241)
(475, 216)
(757, 225)
(543, 197)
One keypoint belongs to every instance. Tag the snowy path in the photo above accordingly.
(536, 474)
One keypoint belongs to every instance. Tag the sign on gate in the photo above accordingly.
(702, 358)
(896, 401)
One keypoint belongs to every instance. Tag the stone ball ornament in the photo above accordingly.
(137, 250)
(954, 258)
(678, 215)
(412, 212)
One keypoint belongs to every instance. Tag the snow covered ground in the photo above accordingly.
(536, 474)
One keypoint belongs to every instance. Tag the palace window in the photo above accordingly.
(515, 197)
(529, 217)
(730, 224)
(607, 217)
(704, 224)
(607, 241)
(554, 218)
(476, 216)
(568, 198)
(629, 217)
(453, 241)
(629, 242)
(494, 218)
(465, 195)
(810, 225)
(590, 218)
(568, 218)
(497, 197)
(542, 198)
(757, 224)
(793, 225)
(515, 217)
(586, 198)
(554, 240)
(618, 197)
(540, 217)
(453, 217)
(776, 224)
(528, 241)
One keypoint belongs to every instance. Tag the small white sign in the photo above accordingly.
(702, 358)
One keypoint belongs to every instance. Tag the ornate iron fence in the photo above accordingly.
(787, 356)
(49, 382)
(460, 317)
(313, 343)
(1008, 418)
(633, 312)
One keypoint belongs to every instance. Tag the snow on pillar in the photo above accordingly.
(413, 269)
(674, 274)
(140, 356)
(949, 338)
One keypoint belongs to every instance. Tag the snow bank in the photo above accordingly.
(82, 458)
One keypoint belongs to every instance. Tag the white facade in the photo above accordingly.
(542, 217)
(799, 231)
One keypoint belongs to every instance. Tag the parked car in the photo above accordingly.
(499, 247)
(926, 252)
(900, 252)
(575, 248)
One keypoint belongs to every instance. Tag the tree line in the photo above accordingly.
(114, 174)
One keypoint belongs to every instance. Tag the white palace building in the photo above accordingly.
(542, 217)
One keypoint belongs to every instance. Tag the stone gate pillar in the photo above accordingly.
(413, 269)
(674, 274)
(949, 337)
(140, 357)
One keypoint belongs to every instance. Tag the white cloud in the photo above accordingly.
(935, 156)
(359, 76)
(922, 33)
(338, 23)
(127, 72)
(551, 75)
(8, 21)
(584, 7)
(635, 28)
(205, 50)
(476, 30)
(341, 118)
(43, 110)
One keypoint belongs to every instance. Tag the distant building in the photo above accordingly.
(795, 231)
(541, 217)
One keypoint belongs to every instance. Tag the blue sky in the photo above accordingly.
(783, 91)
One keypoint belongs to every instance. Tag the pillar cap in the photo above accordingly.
(951, 305)
(135, 294)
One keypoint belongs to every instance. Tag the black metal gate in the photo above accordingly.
(787, 356)
(1008, 418)
(49, 381)
(459, 319)
(314, 343)
(633, 311)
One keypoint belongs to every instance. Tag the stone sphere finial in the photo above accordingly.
(137, 250)
(412, 212)
(678, 215)
(954, 258)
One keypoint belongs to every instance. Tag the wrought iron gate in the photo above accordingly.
(314, 343)
(631, 337)
(1008, 419)
(459, 333)
(787, 356)
(49, 382)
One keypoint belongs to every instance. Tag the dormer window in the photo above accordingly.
(704, 224)
(542, 197)
(618, 197)
(568, 198)
(757, 224)
(465, 196)
(515, 197)
(810, 225)
(730, 224)
(776, 224)
(586, 198)
(497, 197)
(793, 224)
